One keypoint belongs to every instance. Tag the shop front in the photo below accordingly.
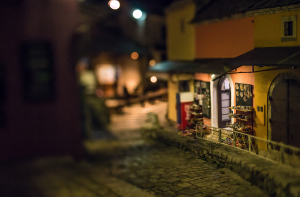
(195, 78)
(276, 95)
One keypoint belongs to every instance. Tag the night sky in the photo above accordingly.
(149, 6)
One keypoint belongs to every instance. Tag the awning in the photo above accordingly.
(210, 66)
(268, 56)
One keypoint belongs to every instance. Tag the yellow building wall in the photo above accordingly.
(180, 46)
(263, 81)
(172, 90)
(180, 36)
(267, 30)
(267, 33)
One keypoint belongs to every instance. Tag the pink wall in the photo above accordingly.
(225, 39)
(40, 129)
(203, 77)
(246, 78)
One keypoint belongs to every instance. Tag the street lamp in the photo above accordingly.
(114, 4)
(152, 62)
(137, 14)
(153, 79)
(134, 55)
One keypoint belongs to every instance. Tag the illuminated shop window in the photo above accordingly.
(106, 74)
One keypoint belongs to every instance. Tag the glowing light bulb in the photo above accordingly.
(152, 62)
(213, 75)
(114, 4)
(137, 14)
(153, 79)
(134, 55)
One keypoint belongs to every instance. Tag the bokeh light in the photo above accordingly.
(153, 79)
(99, 93)
(152, 62)
(137, 14)
(134, 55)
(114, 4)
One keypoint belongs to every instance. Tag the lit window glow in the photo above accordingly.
(152, 62)
(153, 79)
(106, 74)
(114, 4)
(134, 55)
(137, 14)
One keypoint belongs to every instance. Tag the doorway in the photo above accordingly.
(284, 103)
(224, 101)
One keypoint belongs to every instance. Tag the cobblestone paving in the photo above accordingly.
(168, 171)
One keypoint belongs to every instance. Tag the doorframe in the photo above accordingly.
(221, 81)
(214, 99)
(277, 79)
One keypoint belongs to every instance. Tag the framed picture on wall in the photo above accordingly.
(243, 94)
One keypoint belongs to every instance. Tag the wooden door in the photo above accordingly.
(294, 113)
(285, 112)
(224, 97)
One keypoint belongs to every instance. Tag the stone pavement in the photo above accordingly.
(128, 165)
(275, 178)
(62, 177)
(167, 171)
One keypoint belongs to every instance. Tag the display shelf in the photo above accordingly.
(247, 132)
(247, 122)
(243, 119)
(196, 117)
(241, 110)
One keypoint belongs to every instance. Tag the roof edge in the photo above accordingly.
(264, 11)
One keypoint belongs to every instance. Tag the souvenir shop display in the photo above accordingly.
(196, 117)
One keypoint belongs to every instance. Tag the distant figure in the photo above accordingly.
(94, 110)
(126, 95)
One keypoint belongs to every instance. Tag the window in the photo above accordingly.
(288, 28)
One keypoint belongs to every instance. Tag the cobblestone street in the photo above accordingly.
(127, 166)
(168, 171)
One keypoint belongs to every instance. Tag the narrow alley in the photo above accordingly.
(127, 165)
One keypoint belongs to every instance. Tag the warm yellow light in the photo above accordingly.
(213, 75)
(114, 4)
(152, 62)
(153, 79)
(134, 55)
